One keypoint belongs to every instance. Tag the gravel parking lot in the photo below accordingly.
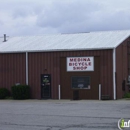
(62, 115)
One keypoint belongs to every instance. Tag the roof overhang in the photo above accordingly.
(56, 50)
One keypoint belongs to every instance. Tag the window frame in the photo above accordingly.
(88, 86)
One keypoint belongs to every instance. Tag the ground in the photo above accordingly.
(62, 115)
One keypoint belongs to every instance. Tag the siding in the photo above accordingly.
(49, 63)
(121, 67)
(67, 90)
(12, 69)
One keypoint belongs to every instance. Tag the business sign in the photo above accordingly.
(80, 63)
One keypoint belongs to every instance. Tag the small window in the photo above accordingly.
(81, 82)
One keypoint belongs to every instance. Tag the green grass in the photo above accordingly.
(126, 95)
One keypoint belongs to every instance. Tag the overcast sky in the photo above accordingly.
(36, 17)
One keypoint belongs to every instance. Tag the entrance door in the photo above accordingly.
(46, 86)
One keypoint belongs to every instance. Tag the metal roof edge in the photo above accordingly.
(122, 41)
(33, 51)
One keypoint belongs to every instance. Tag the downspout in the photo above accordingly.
(26, 68)
(114, 74)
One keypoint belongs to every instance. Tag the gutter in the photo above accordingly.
(57, 50)
(26, 68)
(114, 74)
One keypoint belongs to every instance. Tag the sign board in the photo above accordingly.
(80, 63)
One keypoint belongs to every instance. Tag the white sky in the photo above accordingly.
(34, 17)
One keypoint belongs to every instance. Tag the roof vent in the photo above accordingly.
(4, 38)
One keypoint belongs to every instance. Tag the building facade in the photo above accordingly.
(78, 71)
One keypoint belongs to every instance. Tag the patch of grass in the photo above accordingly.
(126, 95)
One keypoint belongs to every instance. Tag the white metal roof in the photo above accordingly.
(64, 42)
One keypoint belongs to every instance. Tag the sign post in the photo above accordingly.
(59, 92)
(99, 91)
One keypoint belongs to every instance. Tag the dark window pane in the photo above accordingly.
(81, 82)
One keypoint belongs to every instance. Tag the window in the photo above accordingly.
(81, 82)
